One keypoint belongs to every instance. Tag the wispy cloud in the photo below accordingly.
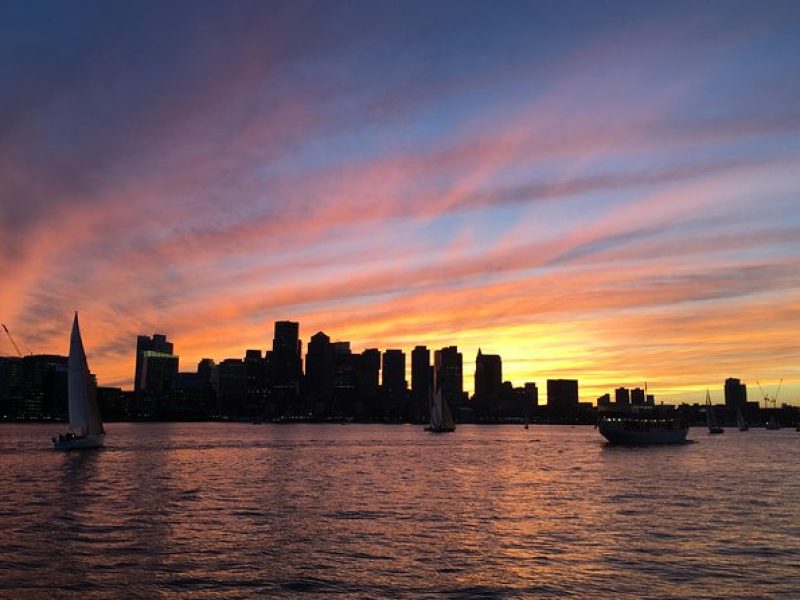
(398, 176)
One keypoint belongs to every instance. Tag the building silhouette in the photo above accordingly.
(33, 387)
(155, 376)
(533, 394)
(285, 367)
(448, 368)
(367, 366)
(735, 394)
(232, 387)
(320, 371)
(256, 389)
(562, 398)
(488, 376)
(638, 397)
(12, 387)
(344, 380)
(622, 396)
(421, 382)
(156, 345)
(394, 372)
(395, 386)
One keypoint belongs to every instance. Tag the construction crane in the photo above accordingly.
(778, 391)
(11, 339)
(767, 399)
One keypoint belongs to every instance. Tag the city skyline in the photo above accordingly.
(291, 357)
(608, 194)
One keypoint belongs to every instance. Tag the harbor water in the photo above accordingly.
(237, 510)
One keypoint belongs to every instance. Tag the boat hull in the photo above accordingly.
(617, 433)
(86, 442)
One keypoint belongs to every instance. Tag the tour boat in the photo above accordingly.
(85, 427)
(642, 426)
(773, 423)
(711, 418)
(441, 421)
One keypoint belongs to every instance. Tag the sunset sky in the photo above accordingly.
(604, 191)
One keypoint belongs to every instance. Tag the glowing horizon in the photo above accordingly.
(609, 194)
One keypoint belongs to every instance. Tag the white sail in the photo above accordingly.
(84, 416)
(440, 417)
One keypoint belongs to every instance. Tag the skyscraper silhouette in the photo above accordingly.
(449, 376)
(158, 345)
(488, 376)
(562, 398)
(735, 393)
(421, 382)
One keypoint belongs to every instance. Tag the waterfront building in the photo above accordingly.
(562, 398)
(158, 344)
(449, 376)
(395, 386)
(285, 367)
(622, 396)
(637, 397)
(421, 382)
(367, 366)
(12, 387)
(488, 376)
(735, 394)
(320, 371)
(533, 394)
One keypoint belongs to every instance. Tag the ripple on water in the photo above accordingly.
(227, 510)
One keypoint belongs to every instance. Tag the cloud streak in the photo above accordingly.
(378, 173)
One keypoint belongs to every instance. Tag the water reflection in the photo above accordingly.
(241, 510)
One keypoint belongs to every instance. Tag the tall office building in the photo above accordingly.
(562, 397)
(421, 382)
(735, 393)
(284, 361)
(533, 394)
(488, 376)
(368, 366)
(11, 387)
(638, 397)
(232, 387)
(156, 346)
(44, 386)
(158, 372)
(448, 376)
(395, 387)
(256, 391)
(320, 371)
(622, 396)
(394, 372)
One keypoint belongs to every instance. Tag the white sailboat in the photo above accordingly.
(441, 421)
(711, 418)
(85, 427)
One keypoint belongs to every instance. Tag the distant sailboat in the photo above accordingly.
(85, 426)
(740, 420)
(441, 421)
(711, 418)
